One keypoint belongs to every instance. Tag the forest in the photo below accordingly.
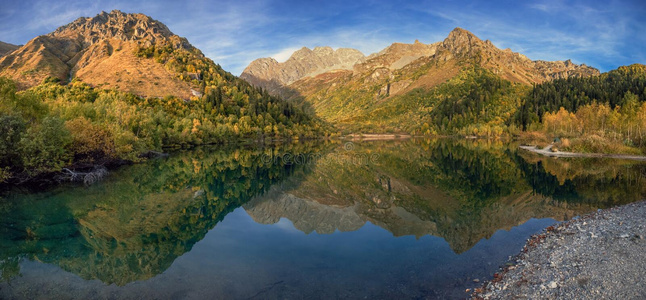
(606, 113)
(53, 126)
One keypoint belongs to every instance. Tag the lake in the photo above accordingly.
(416, 218)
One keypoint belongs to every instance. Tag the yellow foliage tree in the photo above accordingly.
(90, 141)
(562, 122)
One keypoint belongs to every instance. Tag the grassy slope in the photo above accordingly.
(431, 92)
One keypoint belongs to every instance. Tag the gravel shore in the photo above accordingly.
(598, 256)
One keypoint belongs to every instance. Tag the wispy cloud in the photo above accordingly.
(233, 33)
(43, 18)
(52, 15)
(558, 30)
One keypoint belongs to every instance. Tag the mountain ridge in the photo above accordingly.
(272, 75)
(460, 44)
(6, 48)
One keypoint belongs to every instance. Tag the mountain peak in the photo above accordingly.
(103, 51)
(301, 53)
(117, 25)
(461, 41)
(458, 31)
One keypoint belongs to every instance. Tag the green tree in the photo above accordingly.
(44, 147)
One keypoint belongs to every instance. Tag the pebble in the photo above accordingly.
(575, 262)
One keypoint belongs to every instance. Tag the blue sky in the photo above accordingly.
(603, 34)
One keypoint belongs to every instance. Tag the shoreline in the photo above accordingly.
(601, 255)
(54, 178)
(376, 136)
(547, 151)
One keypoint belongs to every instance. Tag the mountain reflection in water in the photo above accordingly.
(353, 205)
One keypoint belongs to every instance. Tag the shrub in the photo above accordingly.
(89, 141)
(11, 129)
(44, 147)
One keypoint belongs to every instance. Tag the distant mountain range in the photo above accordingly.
(460, 46)
(274, 76)
(345, 94)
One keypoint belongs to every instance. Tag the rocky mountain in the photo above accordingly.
(460, 45)
(6, 48)
(510, 65)
(272, 75)
(106, 51)
(352, 96)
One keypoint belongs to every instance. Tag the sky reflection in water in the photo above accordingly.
(423, 220)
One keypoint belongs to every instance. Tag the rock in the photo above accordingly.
(552, 285)
(117, 25)
(198, 193)
(476, 280)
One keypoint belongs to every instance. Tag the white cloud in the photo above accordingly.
(283, 55)
(233, 33)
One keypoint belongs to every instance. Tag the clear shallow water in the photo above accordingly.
(412, 219)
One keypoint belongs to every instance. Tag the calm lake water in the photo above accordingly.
(374, 219)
